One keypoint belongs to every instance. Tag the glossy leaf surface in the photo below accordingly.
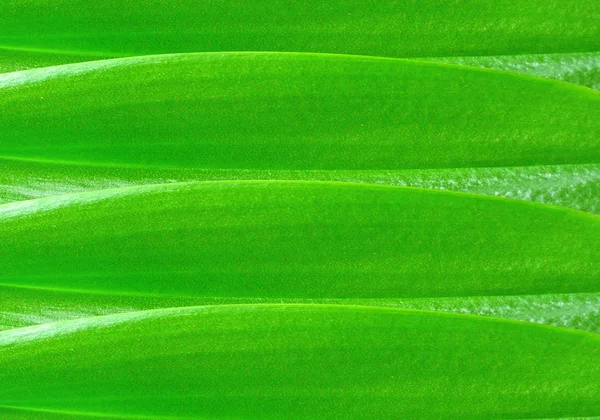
(297, 240)
(545, 38)
(26, 306)
(128, 233)
(294, 111)
(575, 186)
(411, 28)
(238, 116)
(578, 68)
(16, 59)
(281, 361)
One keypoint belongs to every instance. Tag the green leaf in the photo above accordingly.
(294, 111)
(35, 414)
(541, 38)
(412, 28)
(301, 361)
(26, 306)
(269, 241)
(297, 239)
(575, 186)
(579, 68)
(16, 59)
(128, 148)
(297, 116)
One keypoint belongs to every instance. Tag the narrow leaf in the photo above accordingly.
(304, 361)
(298, 116)
(411, 28)
(302, 241)
(575, 186)
(294, 111)
(26, 306)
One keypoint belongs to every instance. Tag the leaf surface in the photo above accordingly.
(26, 306)
(579, 68)
(230, 116)
(301, 241)
(412, 28)
(123, 150)
(575, 186)
(16, 59)
(297, 239)
(301, 361)
(294, 111)
(544, 38)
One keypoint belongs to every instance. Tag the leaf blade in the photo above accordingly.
(574, 186)
(349, 142)
(409, 29)
(297, 240)
(23, 307)
(205, 351)
(141, 101)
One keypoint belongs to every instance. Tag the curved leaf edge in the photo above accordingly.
(48, 414)
(11, 79)
(45, 203)
(43, 331)
(30, 305)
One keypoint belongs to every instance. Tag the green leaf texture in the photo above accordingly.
(272, 241)
(191, 226)
(579, 68)
(412, 28)
(26, 306)
(294, 111)
(297, 116)
(575, 186)
(16, 59)
(295, 210)
(301, 361)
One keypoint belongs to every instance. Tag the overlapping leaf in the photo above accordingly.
(579, 68)
(220, 242)
(301, 361)
(26, 306)
(102, 129)
(38, 32)
(295, 116)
